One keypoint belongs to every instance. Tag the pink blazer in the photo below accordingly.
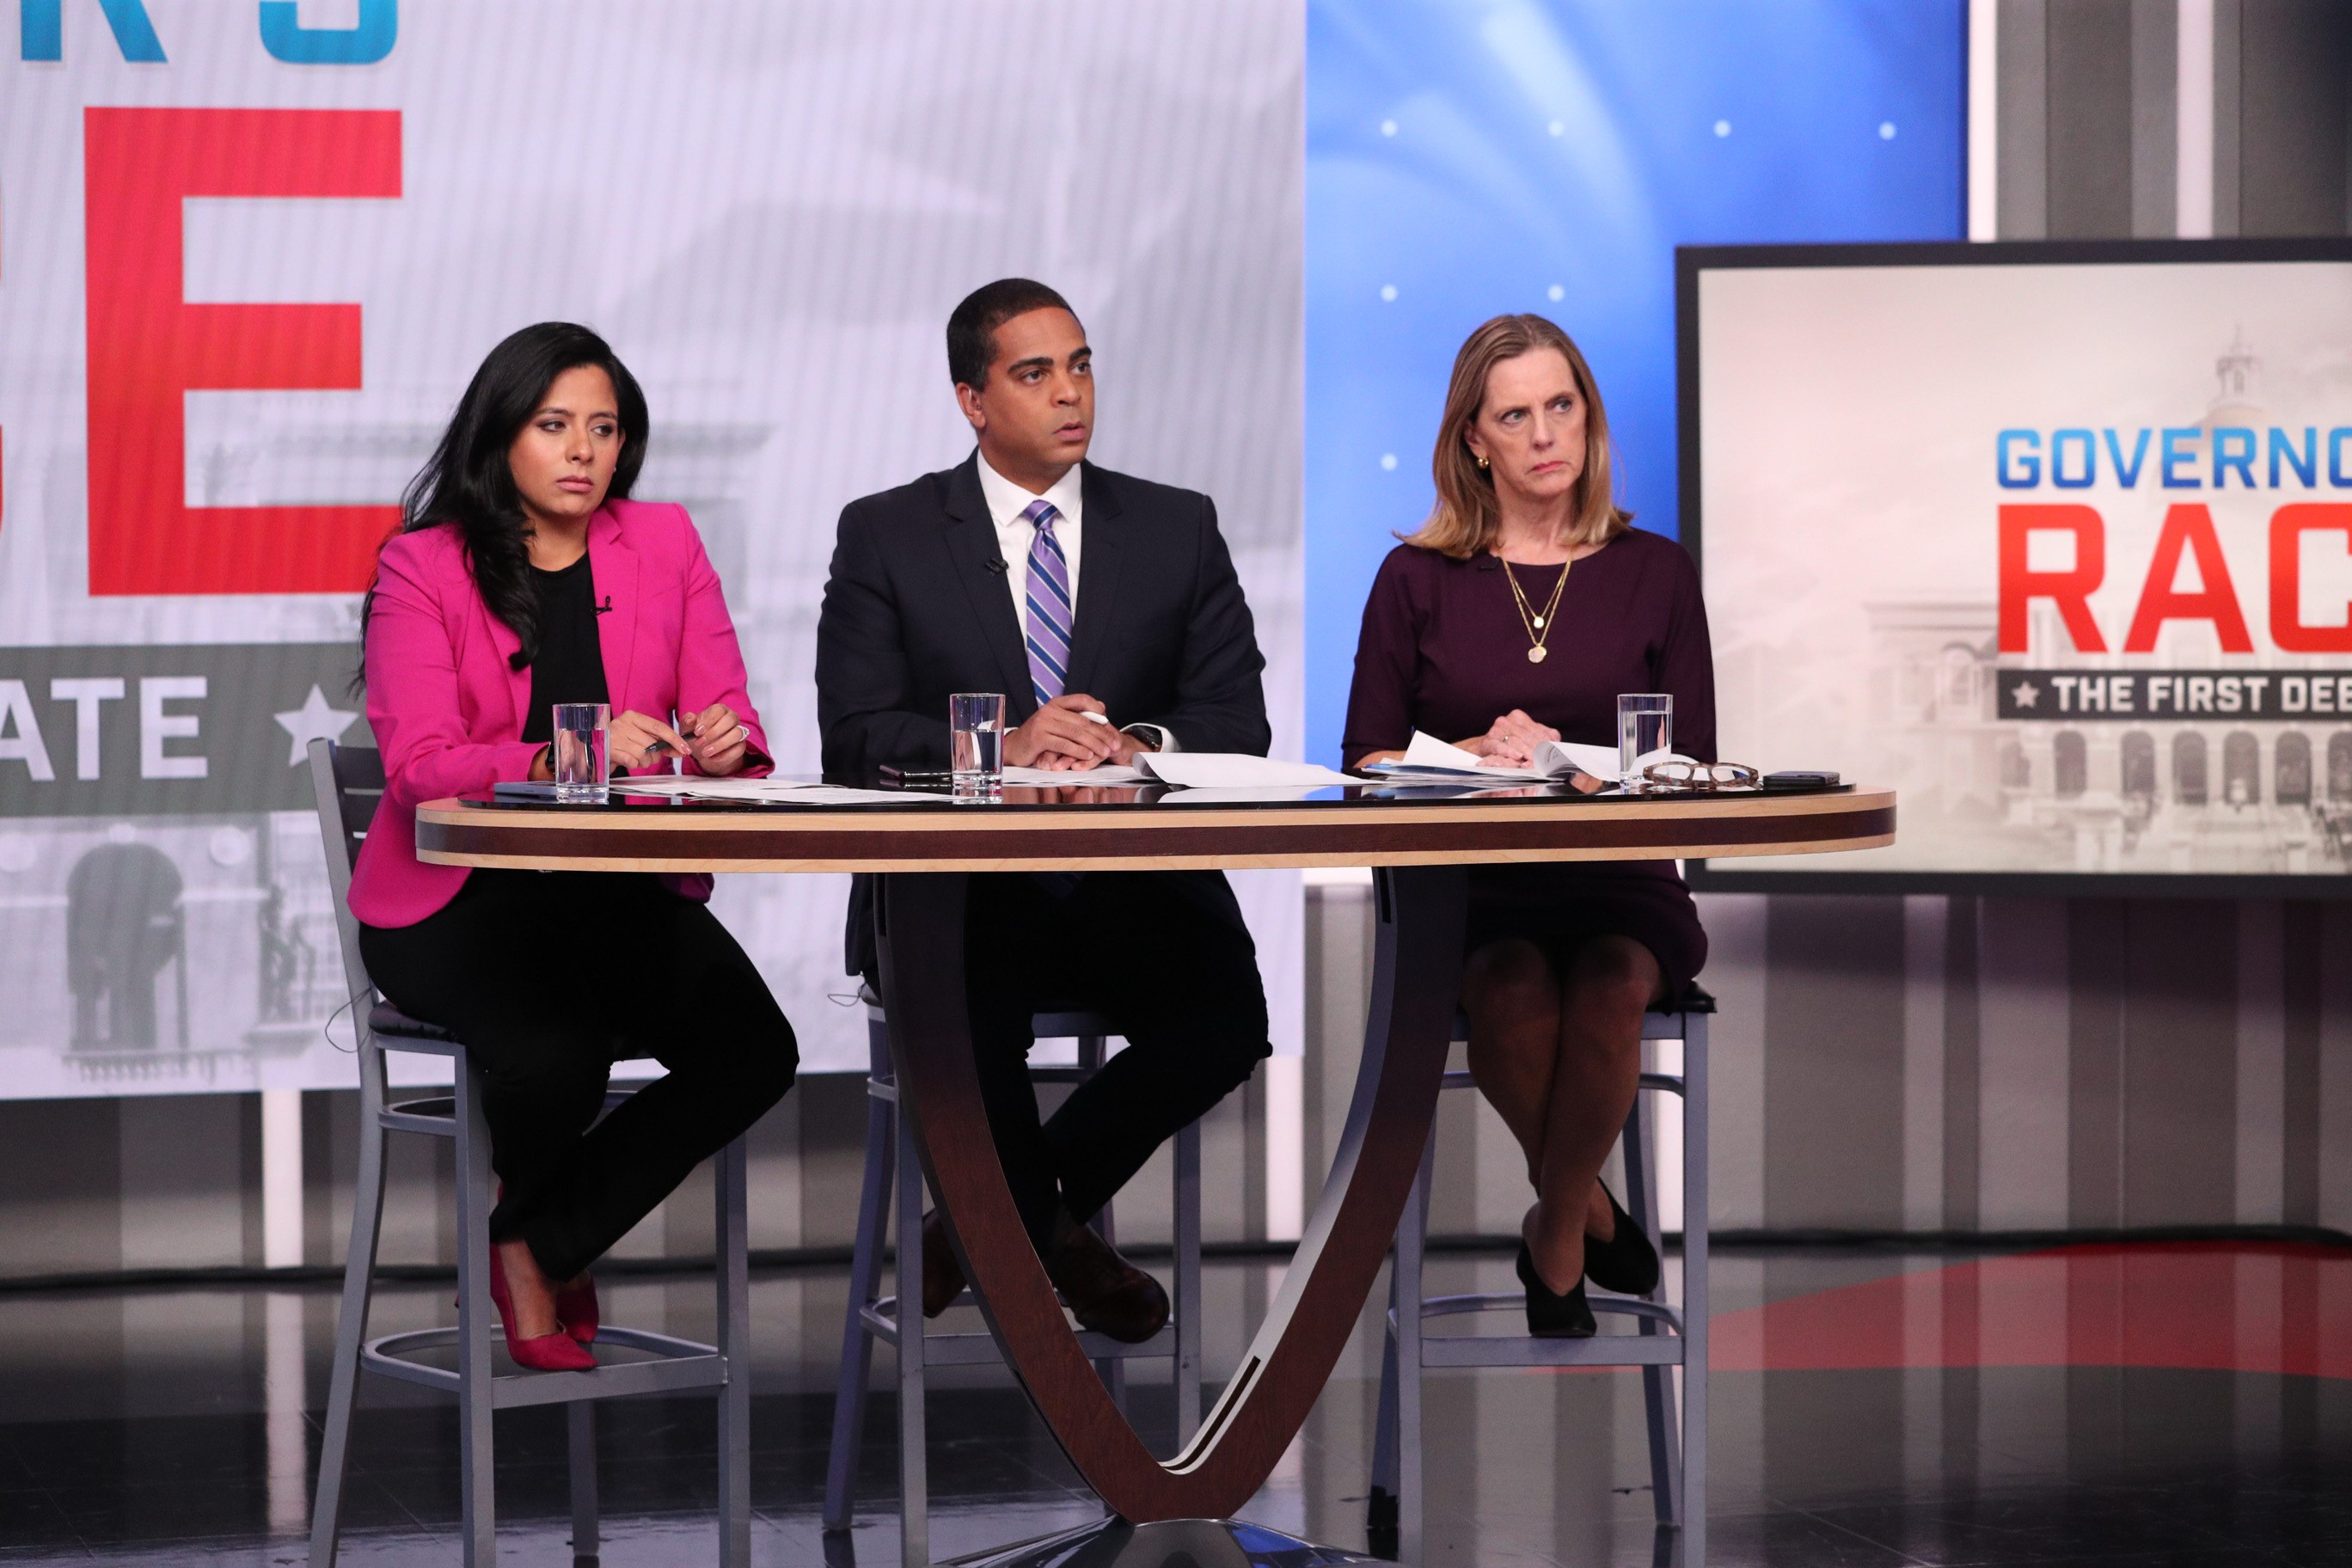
(447, 709)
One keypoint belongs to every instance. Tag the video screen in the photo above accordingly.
(2056, 539)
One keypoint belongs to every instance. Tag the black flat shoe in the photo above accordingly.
(1551, 1316)
(1626, 1263)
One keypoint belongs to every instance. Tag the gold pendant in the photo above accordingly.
(1536, 654)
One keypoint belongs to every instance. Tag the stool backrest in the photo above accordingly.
(354, 776)
(346, 783)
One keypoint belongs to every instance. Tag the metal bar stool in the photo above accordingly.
(891, 1158)
(348, 781)
(1667, 1338)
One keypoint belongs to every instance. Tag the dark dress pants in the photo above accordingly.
(550, 978)
(1165, 958)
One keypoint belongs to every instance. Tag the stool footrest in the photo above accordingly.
(1668, 1082)
(1513, 1301)
(881, 1320)
(1601, 1350)
(677, 1365)
(1652, 1349)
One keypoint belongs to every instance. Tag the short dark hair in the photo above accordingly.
(971, 327)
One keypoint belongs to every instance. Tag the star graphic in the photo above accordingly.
(314, 719)
(2025, 694)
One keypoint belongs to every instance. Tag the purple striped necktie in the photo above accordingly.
(1051, 608)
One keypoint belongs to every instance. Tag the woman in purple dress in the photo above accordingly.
(1516, 615)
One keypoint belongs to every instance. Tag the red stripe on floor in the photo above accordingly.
(2218, 1307)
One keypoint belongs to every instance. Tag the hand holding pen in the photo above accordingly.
(714, 737)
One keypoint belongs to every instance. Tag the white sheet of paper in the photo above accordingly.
(696, 788)
(1429, 753)
(1240, 795)
(1553, 759)
(1104, 774)
(790, 792)
(1430, 757)
(835, 794)
(1237, 770)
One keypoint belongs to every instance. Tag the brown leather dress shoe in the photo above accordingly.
(1105, 1292)
(942, 1277)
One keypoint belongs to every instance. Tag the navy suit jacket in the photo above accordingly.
(912, 613)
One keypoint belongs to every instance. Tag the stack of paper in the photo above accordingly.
(766, 791)
(1191, 770)
(1431, 758)
(1107, 773)
(1222, 771)
(1237, 770)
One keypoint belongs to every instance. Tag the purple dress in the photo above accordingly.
(1443, 649)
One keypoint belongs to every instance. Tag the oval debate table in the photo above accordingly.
(1420, 842)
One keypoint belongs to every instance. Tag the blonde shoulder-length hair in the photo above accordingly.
(1465, 521)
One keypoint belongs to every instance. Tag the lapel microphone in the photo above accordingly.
(607, 607)
(996, 563)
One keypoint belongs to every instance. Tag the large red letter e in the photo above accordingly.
(148, 348)
(2071, 589)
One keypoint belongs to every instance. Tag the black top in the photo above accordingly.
(913, 611)
(571, 663)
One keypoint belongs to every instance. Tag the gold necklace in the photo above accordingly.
(1538, 627)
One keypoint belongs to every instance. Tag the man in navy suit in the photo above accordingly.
(1075, 590)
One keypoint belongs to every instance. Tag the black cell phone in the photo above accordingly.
(1800, 781)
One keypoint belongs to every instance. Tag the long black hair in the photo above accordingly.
(468, 484)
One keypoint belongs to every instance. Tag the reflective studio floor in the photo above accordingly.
(2129, 1408)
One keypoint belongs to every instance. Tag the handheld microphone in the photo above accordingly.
(607, 607)
(996, 563)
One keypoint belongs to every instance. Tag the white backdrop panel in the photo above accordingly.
(769, 210)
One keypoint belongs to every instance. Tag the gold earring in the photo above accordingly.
(1482, 462)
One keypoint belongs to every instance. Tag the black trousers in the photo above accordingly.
(550, 978)
(1165, 958)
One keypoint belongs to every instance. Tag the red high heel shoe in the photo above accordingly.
(575, 1306)
(558, 1352)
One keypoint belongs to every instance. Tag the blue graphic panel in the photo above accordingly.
(1468, 159)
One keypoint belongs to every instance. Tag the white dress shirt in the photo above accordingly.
(1014, 535)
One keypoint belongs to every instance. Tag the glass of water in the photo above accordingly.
(1645, 733)
(976, 742)
(579, 755)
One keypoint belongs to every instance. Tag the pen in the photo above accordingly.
(1092, 716)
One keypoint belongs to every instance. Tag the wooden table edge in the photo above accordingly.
(1094, 818)
(688, 865)
(450, 833)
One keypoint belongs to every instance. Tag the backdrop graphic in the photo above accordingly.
(248, 265)
(1548, 156)
(2060, 549)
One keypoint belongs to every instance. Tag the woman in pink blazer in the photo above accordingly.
(523, 577)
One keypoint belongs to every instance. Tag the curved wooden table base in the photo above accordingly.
(919, 920)
(1420, 853)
